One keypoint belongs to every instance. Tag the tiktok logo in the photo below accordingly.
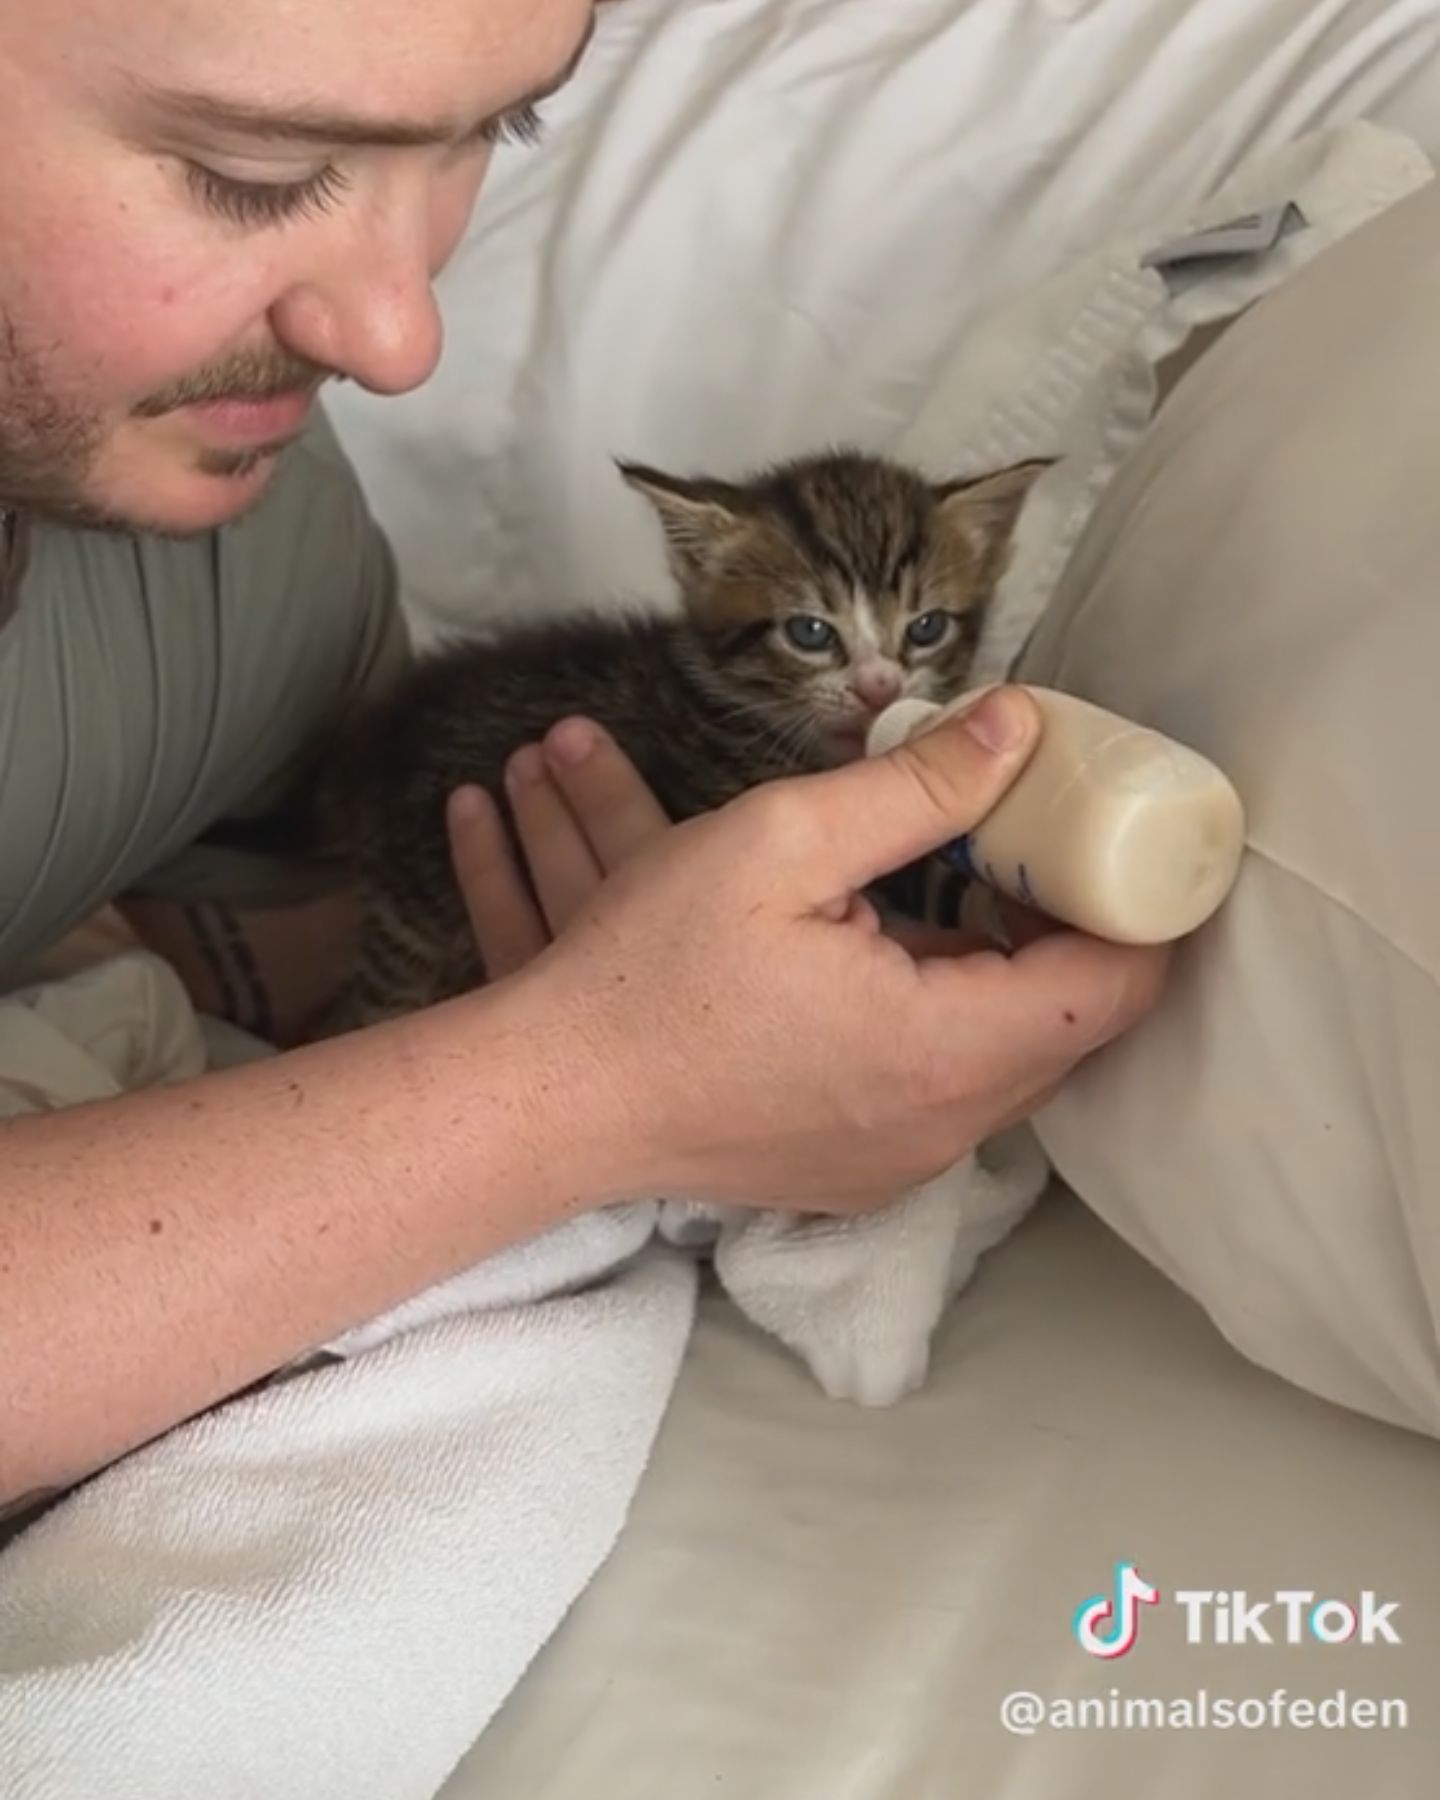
(1108, 1624)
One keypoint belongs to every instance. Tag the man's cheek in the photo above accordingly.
(144, 283)
(148, 326)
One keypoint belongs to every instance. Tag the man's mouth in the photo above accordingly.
(240, 423)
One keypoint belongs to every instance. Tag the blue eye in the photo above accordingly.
(928, 630)
(810, 634)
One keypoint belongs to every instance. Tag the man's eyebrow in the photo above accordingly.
(319, 125)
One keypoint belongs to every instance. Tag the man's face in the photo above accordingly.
(207, 207)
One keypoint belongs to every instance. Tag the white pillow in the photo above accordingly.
(759, 224)
(1262, 581)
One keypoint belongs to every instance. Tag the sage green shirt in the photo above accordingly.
(159, 697)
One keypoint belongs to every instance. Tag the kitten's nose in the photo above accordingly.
(876, 685)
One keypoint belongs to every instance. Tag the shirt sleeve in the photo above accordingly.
(313, 628)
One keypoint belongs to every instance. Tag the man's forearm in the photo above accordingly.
(162, 1251)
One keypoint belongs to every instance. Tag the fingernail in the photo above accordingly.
(996, 721)
(571, 741)
(526, 766)
(466, 805)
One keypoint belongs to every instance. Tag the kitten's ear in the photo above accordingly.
(983, 510)
(697, 516)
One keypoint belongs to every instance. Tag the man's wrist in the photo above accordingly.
(543, 1084)
(271, 971)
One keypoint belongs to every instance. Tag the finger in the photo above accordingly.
(613, 805)
(856, 910)
(1052, 1001)
(504, 918)
(563, 869)
(924, 941)
(1021, 925)
(876, 815)
(1027, 1107)
(1001, 920)
(1109, 987)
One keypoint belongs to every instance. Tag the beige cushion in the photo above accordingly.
(1263, 582)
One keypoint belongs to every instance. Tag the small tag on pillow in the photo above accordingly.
(1250, 235)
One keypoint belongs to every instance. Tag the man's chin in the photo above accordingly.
(181, 493)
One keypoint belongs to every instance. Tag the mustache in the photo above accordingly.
(256, 375)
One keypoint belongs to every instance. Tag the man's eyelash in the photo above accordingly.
(264, 202)
(523, 125)
(273, 203)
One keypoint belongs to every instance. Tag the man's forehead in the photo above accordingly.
(445, 61)
(297, 114)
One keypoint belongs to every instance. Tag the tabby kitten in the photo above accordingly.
(814, 594)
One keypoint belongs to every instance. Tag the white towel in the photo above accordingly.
(329, 1585)
(327, 1588)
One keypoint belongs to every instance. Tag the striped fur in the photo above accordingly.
(707, 701)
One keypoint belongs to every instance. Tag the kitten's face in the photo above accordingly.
(829, 588)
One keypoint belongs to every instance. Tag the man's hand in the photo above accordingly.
(755, 1036)
(580, 809)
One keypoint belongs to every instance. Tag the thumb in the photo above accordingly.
(876, 815)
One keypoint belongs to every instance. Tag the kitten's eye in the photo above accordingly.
(928, 630)
(809, 633)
